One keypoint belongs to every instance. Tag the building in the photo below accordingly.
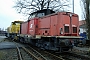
(82, 26)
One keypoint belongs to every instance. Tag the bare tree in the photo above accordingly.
(29, 6)
(86, 10)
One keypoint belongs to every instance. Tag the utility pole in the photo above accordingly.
(73, 5)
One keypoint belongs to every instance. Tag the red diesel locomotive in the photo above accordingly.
(49, 30)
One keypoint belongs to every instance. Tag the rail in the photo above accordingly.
(54, 57)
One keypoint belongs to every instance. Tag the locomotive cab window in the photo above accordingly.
(74, 29)
(32, 16)
(40, 14)
(66, 29)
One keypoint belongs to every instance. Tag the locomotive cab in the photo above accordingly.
(14, 29)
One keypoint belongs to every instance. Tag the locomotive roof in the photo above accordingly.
(17, 22)
(46, 11)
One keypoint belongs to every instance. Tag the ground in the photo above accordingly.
(81, 50)
(6, 53)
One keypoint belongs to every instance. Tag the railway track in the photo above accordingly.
(82, 57)
(31, 54)
(36, 54)
(68, 56)
(47, 55)
(73, 56)
(63, 56)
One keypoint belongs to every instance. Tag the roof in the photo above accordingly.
(18, 21)
(82, 24)
(46, 11)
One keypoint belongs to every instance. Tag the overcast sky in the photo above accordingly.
(9, 14)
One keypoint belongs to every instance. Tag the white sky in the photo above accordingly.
(9, 14)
